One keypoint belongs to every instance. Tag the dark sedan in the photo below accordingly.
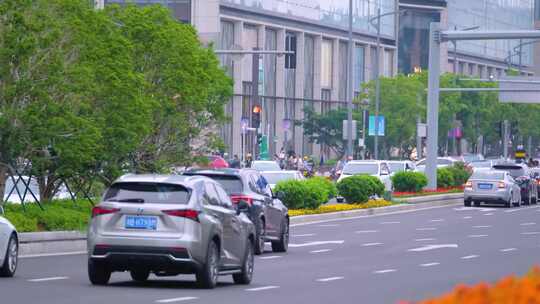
(522, 176)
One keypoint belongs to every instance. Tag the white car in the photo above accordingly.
(377, 168)
(442, 162)
(9, 247)
(401, 165)
(274, 177)
(265, 165)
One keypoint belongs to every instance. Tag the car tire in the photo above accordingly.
(260, 237)
(139, 275)
(246, 274)
(476, 204)
(11, 258)
(207, 276)
(283, 244)
(98, 272)
(467, 203)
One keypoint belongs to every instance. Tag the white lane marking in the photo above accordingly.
(27, 256)
(303, 235)
(374, 215)
(329, 225)
(384, 271)
(262, 288)
(177, 300)
(483, 226)
(467, 217)
(425, 229)
(437, 220)
(425, 240)
(271, 257)
(468, 257)
(48, 279)
(527, 224)
(474, 209)
(477, 235)
(530, 233)
(330, 279)
(371, 244)
(320, 251)
(433, 247)
(519, 209)
(316, 243)
(430, 264)
(389, 223)
(366, 231)
(508, 249)
(488, 213)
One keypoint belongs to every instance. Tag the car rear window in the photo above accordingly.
(231, 184)
(276, 177)
(488, 175)
(515, 171)
(152, 193)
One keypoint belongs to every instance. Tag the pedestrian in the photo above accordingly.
(235, 163)
(249, 160)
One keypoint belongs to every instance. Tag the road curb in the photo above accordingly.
(410, 204)
(35, 244)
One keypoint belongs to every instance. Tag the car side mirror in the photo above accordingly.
(242, 207)
(279, 195)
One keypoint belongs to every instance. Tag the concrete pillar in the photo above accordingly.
(335, 73)
(367, 63)
(280, 90)
(317, 84)
(237, 89)
(205, 16)
(299, 90)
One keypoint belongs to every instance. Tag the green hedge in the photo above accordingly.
(306, 194)
(57, 216)
(460, 173)
(328, 187)
(359, 188)
(407, 181)
(445, 178)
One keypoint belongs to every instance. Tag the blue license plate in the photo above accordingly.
(141, 222)
(485, 186)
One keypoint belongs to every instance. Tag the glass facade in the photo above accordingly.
(328, 12)
(492, 15)
(181, 9)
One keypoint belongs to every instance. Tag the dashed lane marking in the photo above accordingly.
(530, 233)
(384, 271)
(468, 257)
(320, 251)
(437, 220)
(520, 209)
(425, 240)
(483, 226)
(366, 231)
(371, 244)
(316, 243)
(508, 249)
(330, 279)
(488, 213)
(303, 235)
(389, 223)
(430, 264)
(467, 217)
(172, 300)
(477, 235)
(271, 257)
(426, 229)
(433, 247)
(262, 288)
(48, 279)
(527, 224)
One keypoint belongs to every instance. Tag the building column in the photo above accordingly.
(299, 90)
(237, 89)
(280, 90)
(317, 84)
(205, 18)
(335, 73)
(367, 63)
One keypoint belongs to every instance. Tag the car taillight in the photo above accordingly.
(186, 213)
(468, 184)
(98, 210)
(238, 198)
(501, 185)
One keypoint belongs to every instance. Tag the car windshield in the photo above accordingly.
(488, 175)
(276, 177)
(515, 171)
(150, 193)
(265, 166)
(396, 167)
(356, 168)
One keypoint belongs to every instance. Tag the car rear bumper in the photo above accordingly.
(157, 259)
(493, 197)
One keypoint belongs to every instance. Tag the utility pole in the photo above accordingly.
(377, 85)
(505, 139)
(418, 137)
(350, 84)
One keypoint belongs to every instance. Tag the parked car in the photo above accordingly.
(274, 177)
(492, 186)
(265, 165)
(170, 225)
(377, 168)
(522, 176)
(482, 164)
(266, 211)
(401, 165)
(9, 247)
(442, 162)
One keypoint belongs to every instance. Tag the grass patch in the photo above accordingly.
(340, 207)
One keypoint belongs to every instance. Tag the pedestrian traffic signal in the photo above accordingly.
(256, 116)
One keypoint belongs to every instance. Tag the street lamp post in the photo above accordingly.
(350, 85)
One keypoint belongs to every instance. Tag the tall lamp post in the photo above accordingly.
(350, 84)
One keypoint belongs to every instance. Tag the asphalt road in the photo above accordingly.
(377, 259)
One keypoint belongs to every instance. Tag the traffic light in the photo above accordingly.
(259, 139)
(256, 116)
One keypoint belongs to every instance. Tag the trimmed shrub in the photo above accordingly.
(301, 194)
(407, 181)
(460, 173)
(445, 178)
(328, 187)
(359, 188)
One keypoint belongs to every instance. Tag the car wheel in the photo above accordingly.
(140, 275)
(467, 203)
(476, 204)
(98, 272)
(246, 275)
(207, 276)
(260, 237)
(11, 259)
(283, 244)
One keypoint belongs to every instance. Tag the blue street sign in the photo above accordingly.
(372, 125)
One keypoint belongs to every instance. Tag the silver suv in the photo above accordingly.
(170, 225)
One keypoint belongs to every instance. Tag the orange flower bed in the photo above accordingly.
(510, 290)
